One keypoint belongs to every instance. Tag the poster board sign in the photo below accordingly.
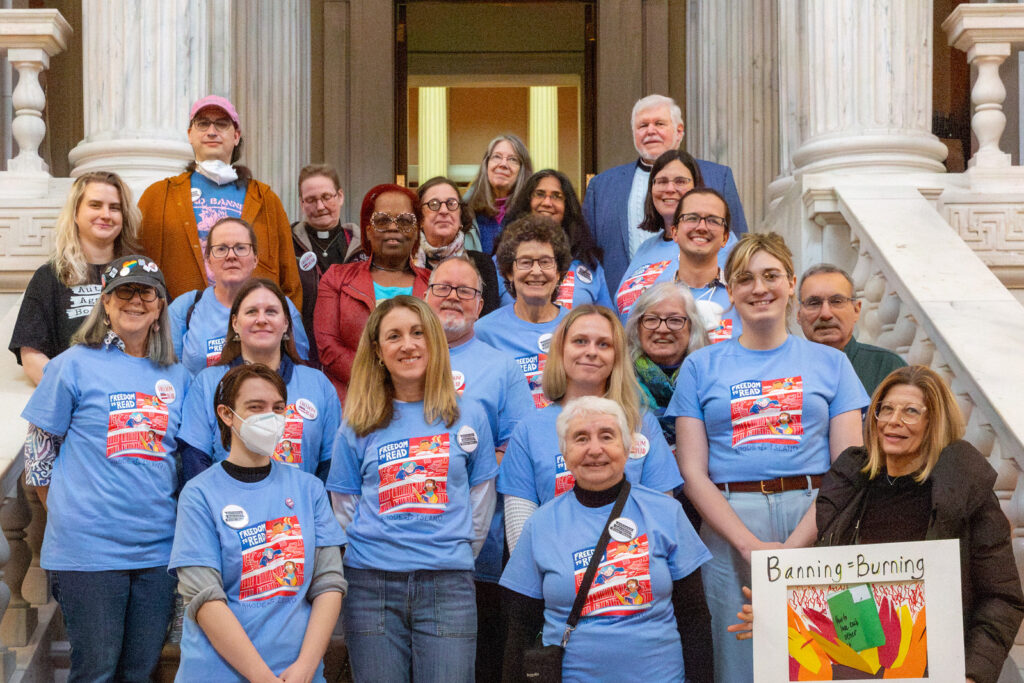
(858, 612)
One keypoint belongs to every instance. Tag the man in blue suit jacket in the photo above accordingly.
(614, 200)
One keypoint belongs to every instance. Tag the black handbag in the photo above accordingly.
(543, 663)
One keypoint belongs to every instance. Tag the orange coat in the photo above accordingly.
(171, 238)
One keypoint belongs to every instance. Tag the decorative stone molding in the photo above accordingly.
(992, 225)
(26, 233)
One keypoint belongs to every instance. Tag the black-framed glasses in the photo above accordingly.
(324, 198)
(511, 160)
(909, 414)
(453, 204)
(128, 292)
(221, 125)
(405, 222)
(464, 292)
(541, 195)
(526, 263)
(835, 302)
(692, 220)
(242, 249)
(675, 323)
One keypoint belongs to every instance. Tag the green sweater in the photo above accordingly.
(871, 363)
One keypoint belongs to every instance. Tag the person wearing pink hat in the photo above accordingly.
(177, 212)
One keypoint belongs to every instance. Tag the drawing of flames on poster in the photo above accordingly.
(273, 559)
(638, 281)
(414, 475)
(533, 368)
(289, 449)
(136, 426)
(566, 291)
(564, 481)
(767, 411)
(622, 584)
(857, 632)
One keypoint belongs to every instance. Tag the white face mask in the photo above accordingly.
(261, 432)
(217, 171)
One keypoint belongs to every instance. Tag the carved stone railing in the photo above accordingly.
(927, 296)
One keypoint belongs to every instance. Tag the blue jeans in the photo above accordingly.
(769, 517)
(403, 626)
(116, 621)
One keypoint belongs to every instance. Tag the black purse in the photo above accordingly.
(543, 663)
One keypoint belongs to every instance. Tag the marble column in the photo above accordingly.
(865, 101)
(732, 93)
(791, 97)
(144, 62)
(272, 92)
(543, 130)
(433, 133)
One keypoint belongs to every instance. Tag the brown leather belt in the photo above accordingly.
(777, 485)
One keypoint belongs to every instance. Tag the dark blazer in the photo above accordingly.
(605, 208)
(964, 507)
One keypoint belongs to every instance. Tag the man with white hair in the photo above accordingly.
(614, 200)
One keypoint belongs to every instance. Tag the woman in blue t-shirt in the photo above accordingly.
(550, 194)
(412, 482)
(645, 613)
(103, 427)
(263, 332)
(256, 549)
(759, 420)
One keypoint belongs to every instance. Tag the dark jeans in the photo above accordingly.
(116, 621)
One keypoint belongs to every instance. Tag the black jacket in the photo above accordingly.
(964, 507)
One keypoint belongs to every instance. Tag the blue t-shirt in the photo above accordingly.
(262, 538)
(527, 342)
(111, 500)
(382, 293)
(199, 344)
(492, 379)
(766, 412)
(581, 285)
(311, 419)
(628, 628)
(210, 203)
(413, 479)
(534, 469)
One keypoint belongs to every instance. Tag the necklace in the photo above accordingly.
(319, 245)
(892, 480)
(390, 270)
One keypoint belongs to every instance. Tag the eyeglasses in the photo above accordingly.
(324, 198)
(909, 414)
(405, 222)
(663, 183)
(128, 292)
(453, 204)
(692, 220)
(541, 195)
(526, 263)
(512, 160)
(835, 302)
(221, 125)
(466, 293)
(768, 278)
(673, 322)
(219, 251)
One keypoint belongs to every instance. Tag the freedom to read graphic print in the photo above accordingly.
(414, 475)
(136, 426)
(767, 411)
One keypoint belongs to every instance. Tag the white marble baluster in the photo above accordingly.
(987, 96)
(29, 100)
(36, 587)
(8, 661)
(19, 622)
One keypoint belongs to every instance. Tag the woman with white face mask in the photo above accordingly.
(260, 331)
(260, 574)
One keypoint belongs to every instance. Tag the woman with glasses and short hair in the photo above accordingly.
(389, 217)
(503, 171)
(445, 231)
(199, 318)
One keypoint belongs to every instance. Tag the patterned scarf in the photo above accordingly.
(428, 256)
(111, 339)
(657, 388)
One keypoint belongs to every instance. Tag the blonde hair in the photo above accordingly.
(944, 421)
(68, 258)
(371, 394)
(773, 244)
(621, 387)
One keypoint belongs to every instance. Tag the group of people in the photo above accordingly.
(439, 425)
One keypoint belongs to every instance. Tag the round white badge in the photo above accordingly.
(641, 446)
(467, 438)
(544, 342)
(584, 274)
(165, 391)
(459, 380)
(235, 516)
(306, 409)
(622, 529)
(307, 261)
(197, 194)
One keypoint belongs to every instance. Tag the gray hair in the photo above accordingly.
(462, 259)
(826, 268)
(652, 101)
(160, 348)
(480, 196)
(591, 405)
(652, 297)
